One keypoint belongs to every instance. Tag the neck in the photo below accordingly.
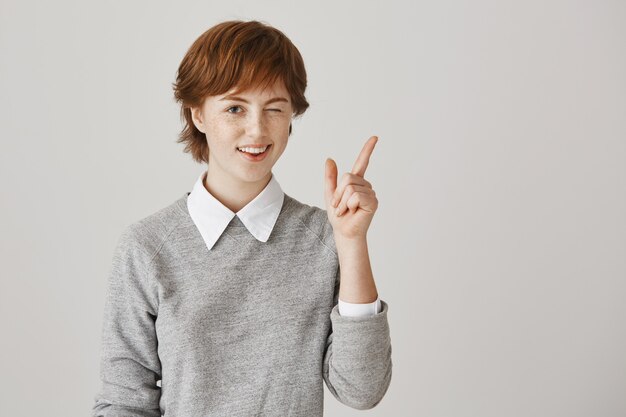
(231, 192)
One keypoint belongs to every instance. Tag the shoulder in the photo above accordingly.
(314, 218)
(145, 236)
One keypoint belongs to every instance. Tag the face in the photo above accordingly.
(253, 118)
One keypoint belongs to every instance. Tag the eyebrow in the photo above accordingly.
(236, 98)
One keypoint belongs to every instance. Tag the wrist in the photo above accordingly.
(350, 239)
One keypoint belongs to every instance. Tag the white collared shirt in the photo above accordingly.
(259, 216)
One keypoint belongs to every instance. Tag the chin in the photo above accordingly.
(254, 176)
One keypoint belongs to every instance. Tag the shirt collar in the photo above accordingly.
(211, 217)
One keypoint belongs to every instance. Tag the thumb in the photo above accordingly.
(330, 180)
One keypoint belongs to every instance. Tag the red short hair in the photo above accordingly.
(235, 54)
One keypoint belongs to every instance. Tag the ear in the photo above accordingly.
(197, 117)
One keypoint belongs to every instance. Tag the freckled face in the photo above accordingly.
(252, 117)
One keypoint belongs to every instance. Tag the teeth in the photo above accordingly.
(253, 150)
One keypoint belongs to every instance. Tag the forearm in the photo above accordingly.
(357, 280)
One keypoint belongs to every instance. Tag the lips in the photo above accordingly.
(267, 147)
(255, 157)
(257, 145)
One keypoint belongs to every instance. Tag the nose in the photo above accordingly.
(256, 126)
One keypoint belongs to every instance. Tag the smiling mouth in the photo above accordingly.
(255, 157)
(254, 153)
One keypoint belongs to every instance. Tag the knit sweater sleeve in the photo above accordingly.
(357, 360)
(130, 366)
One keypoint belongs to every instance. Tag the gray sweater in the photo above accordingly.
(246, 329)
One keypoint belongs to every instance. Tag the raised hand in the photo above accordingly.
(351, 204)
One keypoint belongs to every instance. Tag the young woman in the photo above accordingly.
(237, 299)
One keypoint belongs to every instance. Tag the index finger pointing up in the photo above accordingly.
(364, 157)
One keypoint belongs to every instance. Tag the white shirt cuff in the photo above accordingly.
(359, 309)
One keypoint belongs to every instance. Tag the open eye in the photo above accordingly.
(233, 107)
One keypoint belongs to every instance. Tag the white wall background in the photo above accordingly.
(500, 239)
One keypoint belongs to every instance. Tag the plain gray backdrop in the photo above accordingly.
(500, 238)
